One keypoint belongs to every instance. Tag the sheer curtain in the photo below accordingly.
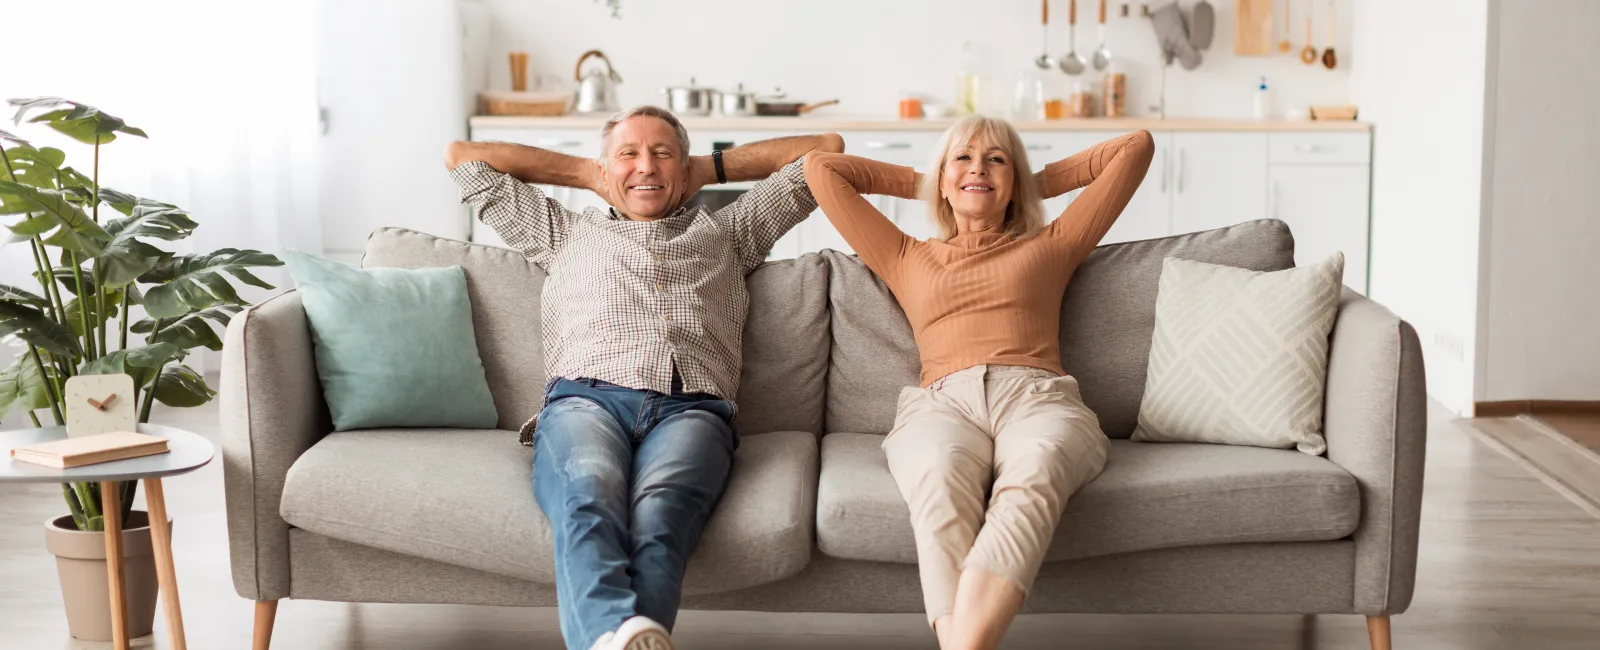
(227, 91)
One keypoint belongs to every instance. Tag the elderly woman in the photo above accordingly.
(990, 446)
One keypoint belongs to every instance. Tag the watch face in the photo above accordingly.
(98, 404)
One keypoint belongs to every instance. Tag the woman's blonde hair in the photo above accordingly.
(1025, 214)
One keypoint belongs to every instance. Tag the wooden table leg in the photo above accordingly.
(111, 515)
(166, 573)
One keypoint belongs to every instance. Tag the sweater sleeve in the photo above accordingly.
(1110, 171)
(838, 182)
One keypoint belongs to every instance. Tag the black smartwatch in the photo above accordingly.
(716, 161)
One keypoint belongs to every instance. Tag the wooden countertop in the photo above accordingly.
(832, 123)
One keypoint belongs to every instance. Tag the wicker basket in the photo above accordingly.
(529, 104)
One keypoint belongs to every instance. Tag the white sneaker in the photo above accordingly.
(641, 633)
(604, 642)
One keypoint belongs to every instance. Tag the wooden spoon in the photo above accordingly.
(1329, 59)
(1283, 45)
(1308, 55)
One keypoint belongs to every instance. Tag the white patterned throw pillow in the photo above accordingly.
(1240, 357)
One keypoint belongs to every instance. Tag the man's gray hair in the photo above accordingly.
(646, 111)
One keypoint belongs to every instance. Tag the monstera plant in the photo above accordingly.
(91, 272)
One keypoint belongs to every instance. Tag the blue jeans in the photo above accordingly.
(627, 478)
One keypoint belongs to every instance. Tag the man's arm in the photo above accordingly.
(762, 215)
(523, 216)
(528, 164)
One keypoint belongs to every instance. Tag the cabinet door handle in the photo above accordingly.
(1166, 168)
(877, 144)
(1038, 147)
(1272, 199)
(559, 144)
(1307, 148)
(1181, 158)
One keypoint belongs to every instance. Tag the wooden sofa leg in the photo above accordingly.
(1378, 630)
(266, 612)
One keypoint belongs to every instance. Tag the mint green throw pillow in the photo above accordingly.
(394, 347)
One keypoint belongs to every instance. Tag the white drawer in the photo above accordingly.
(1319, 148)
(912, 149)
(584, 143)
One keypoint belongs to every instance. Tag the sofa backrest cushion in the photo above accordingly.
(785, 339)
(1107, 319)
(781, 387)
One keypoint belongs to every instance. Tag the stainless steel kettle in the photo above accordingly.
(597, 91)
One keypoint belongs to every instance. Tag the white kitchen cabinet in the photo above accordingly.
(1217, 179)
(1326, 208)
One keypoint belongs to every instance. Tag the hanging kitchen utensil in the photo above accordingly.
(1329, 59)
(1173, 36)
(1102, 56)
(1308, 54)
(597, 91)
(1284, 46)
(1252, 27)
(1073, 63)
(1044, 61)
(1203, 24)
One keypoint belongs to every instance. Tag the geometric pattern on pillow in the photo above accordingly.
(1240, 357)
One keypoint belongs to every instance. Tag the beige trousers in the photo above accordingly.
(986, 457)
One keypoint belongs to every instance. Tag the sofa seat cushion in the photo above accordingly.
(465, 497)
(1150, 496)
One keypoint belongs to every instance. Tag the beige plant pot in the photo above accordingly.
(85, 585)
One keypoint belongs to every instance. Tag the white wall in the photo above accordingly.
(390, 78)
(1421, 82)
(1542, 316)
(866, 52)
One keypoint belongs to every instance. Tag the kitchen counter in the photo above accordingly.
(845, 123)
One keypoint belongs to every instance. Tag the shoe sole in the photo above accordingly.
(649, 640)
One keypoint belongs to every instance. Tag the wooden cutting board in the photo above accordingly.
(1252, 23)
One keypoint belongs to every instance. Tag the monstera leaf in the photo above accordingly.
(30, 324)
(142, 363)
(181, 386)
(80, 122)
(125, 257)
(78, 233)
(190, 282)
(22, 387)
(192, 330)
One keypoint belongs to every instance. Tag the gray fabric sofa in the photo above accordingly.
(811, 520)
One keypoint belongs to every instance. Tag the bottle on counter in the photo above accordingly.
(967, 84)
(1263, 101)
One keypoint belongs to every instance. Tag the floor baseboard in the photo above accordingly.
(1513, 408)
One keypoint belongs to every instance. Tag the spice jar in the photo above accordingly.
(1080, 103)
(1114, 93)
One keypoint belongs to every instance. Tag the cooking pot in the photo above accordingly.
(690, 99)
(737, 103)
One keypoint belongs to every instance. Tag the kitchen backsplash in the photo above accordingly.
(867, 53)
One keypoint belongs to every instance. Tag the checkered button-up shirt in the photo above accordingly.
(626, 302)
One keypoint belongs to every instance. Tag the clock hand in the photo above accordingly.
(101, 406)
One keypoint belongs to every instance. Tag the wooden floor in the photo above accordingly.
(1568, 467)
(1582, 428)
(1506, 563)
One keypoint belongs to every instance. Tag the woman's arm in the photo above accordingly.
(838, 181)
(1110, 171)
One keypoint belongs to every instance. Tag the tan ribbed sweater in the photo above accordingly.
(982, 298)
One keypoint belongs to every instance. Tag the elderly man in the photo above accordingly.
(643, 313)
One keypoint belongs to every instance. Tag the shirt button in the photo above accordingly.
(659, 287)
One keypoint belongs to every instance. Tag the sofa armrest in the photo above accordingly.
(272, 411)
(1376, 422)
